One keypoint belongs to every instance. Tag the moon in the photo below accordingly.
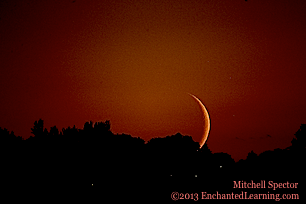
(206, 120)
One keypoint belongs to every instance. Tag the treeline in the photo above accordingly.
(95, 155)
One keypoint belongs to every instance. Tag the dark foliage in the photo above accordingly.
(94, 155)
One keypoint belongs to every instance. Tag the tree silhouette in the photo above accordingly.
(251, 156)
(53, 133)
(299, 142)
(80, 157)
(38, 128)
(40, 134)
(8, 137)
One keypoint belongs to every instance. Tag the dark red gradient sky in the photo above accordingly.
(133, 62)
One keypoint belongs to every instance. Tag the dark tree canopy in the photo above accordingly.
(95, 155)
(299, 142)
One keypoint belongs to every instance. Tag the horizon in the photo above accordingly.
(170, 168)
(61, 131)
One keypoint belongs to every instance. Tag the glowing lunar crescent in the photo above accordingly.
(206, 121)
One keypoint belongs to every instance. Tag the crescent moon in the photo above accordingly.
(206, 121)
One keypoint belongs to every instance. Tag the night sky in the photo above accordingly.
(133, 63)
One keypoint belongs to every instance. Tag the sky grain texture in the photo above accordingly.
(133, 63)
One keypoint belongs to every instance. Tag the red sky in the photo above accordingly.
(133, 62)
